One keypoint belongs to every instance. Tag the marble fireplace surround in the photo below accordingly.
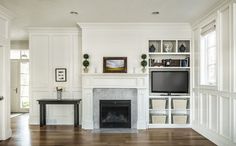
(114, 94)
(132, 87)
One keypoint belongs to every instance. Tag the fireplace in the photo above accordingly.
(97, 87)
(115, 113)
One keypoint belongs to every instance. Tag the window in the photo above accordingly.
(208, 54)
(23, 57)
(24, 84)
(19, 54)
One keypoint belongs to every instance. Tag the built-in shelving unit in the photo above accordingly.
(169, 110)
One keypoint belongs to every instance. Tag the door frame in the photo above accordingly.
(5, 125)
(19, 61)
(5, 128)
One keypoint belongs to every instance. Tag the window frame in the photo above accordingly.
(204, 62)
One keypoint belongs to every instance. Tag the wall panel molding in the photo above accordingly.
(53, 48)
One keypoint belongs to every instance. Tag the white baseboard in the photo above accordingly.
(214, 137)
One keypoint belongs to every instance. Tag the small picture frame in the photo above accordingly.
(114, 64)
(60, 75)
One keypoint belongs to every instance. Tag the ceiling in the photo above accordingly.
(57, 12)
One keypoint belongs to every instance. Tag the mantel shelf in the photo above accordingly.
(115, 74)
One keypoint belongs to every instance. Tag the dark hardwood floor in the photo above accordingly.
(24, 135)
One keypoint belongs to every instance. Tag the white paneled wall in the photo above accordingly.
(215, 107)
(53, 48)
(234, 119)
(224, 116)
(224, 64)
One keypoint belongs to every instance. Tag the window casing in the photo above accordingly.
(208, 56)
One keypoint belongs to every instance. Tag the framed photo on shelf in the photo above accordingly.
(60, 75)
(114, 64)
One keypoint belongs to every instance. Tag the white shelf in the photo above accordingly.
(160, 110)
(160, 55)
(171, 53)
(171, 96)
(180, 109)
(180, 112)
(163, 67)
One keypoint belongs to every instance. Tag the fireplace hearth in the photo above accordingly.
(115, 113)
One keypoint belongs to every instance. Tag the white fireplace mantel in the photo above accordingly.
(114, 80)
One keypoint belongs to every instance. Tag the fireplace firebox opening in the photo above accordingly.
(115, 113)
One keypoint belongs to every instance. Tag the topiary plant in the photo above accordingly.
(86, 56)
(86, 62)
(143, 56)
(144, 62)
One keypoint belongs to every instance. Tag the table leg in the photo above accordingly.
(42, 116)
(76, 115)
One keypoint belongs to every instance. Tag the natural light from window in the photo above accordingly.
(23, 57)
(208, 59)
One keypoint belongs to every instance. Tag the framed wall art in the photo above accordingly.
(114, 64)
(60, 75)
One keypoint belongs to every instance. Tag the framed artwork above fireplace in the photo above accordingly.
(114, 64)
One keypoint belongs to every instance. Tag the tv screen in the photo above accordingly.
(170, 81)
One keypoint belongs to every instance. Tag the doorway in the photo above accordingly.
(5, 129)
(19, 81)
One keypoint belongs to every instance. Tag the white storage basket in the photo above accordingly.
(159, 103)
(179, 103)
(159, 119)
(179, 119)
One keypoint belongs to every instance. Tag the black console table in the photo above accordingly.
(44, 102)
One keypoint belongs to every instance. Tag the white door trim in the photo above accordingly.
(5, 128)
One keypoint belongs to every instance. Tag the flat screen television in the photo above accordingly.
(169, 82)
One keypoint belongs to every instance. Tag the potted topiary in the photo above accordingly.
(144, 62)
(86, 62)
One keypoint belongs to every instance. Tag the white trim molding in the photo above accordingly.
(137, 81)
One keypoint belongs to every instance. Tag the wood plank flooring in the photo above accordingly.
(24, 135)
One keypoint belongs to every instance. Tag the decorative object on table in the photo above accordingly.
(152, 48)
(60, 75)
(182, 48)
(144, 62)
(86, 63)
(59, 92)
(168, 47)
(114, 64)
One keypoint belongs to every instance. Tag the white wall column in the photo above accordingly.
(5, 129)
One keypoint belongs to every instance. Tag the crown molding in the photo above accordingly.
(134, 26)
(212, 12)
(54, 30)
